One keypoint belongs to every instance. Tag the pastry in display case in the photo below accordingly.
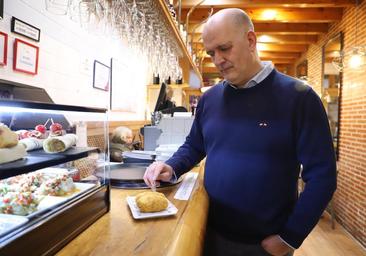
(49, 187)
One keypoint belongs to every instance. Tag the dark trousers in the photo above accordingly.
(218, 245)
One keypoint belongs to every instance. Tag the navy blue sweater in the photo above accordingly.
(255, 140)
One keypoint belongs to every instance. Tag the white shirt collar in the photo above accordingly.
(267, 67)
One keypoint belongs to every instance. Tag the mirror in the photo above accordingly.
(331, 86)
(302, 70)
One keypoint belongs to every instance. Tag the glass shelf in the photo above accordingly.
(39, 159)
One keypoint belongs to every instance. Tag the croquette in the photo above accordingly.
(151, 202)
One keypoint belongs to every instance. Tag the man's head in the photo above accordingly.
(229, 39)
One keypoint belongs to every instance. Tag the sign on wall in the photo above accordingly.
(22, 28)
(1, 9)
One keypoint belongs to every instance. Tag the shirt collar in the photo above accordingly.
(267, 67)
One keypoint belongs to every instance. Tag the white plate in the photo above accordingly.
(47, 202)
(171, 210)
(81, 187)
(51, 201)
(53, 171)
(9, 222)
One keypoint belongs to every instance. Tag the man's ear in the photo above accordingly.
(252, 39)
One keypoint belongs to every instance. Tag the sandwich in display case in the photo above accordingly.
(50, 189)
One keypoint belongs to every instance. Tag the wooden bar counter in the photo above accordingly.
(117, 233)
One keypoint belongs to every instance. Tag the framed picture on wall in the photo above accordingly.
(3, 48)
(25, 57)
(1, 9)
(24, 29)
(101, 76)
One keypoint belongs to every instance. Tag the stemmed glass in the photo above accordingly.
(58, 7)
(137, 21)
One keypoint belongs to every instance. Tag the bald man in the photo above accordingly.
(255, 128)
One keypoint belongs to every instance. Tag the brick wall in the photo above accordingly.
(350, 197)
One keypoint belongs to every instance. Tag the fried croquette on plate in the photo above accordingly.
(151, 201)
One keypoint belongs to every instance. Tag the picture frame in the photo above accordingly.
(1, 9)
(24, 29)
(25, 57)
(101, 76)
(3, 48)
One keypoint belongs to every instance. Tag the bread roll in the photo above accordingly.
(60, 143)
(151, 202)
(8, 138)
(11, 154)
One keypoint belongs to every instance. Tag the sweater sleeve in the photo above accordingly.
(315, 152)
(192, 151)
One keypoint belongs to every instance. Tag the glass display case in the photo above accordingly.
(53, 174)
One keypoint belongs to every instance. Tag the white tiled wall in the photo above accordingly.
(66, 57)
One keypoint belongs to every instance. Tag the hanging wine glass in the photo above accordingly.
(58, 7)
(74, 10)
(86, 9)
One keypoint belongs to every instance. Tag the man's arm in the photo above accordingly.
(316, 153)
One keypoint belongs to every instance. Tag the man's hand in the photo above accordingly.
(157, 171)
(275, 246)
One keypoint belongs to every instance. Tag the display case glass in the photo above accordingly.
(50, 189)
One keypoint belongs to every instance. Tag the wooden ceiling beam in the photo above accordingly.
(286, 15)
(271, 4)
(268, 47)
(207, 62)
(214, 70)
(287, 55)
(268, 55)
(282, 65)
(287, 39)
(210, 70)
(282, 48)
(277, 39)
(284, 28)
(279, 60)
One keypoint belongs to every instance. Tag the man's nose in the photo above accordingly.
(218, 59)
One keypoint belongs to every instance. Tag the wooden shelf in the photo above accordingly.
(179, 39)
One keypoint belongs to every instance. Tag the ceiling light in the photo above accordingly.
(265, 39)
(354, 58)
(269, 14)
(261, 47)
(357, 59)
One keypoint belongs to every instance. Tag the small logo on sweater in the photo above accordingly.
(263, 124)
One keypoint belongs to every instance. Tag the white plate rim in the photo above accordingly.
(13, 222)
(171, 210)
